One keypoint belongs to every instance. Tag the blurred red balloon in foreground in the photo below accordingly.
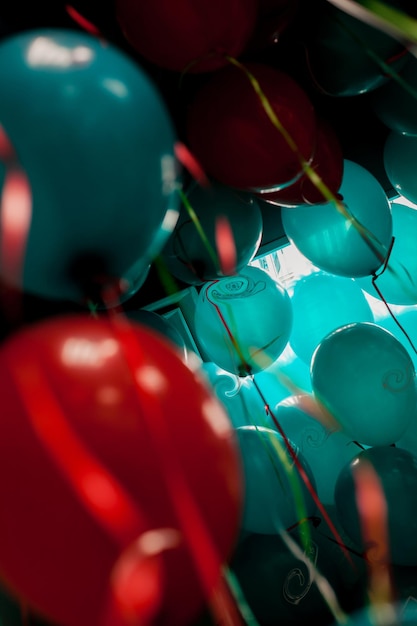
(120, 486)
(327, 163)
(194, 33)
(236, 142)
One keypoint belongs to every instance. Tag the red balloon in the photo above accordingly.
(113, 451)
(327, 163)
(232, 136)
(175, 34)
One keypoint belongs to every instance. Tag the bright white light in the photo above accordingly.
(80, 352)
(45, 52)
(151, 379)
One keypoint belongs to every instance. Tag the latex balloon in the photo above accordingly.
(107, 418)
(275, 494)
(396, 473)
(279, 584)
(327, 163)
(366, 379)
(186, 35)
(321, 303)
(400, 153)
(97, 145)
(347, 57)
(196, 248)
(243, 323)
(161, 325)
(236, 142)
(326, 451)
(398, 282)
(351, 242)
(394, 103)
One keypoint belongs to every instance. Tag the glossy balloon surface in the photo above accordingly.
(275, 494)
(349, 241)
(366, 379)
(95, 418)
(243, 323)
(96, 142)
(196, 248)
(400, 153)
(234, 139)
(395, 472)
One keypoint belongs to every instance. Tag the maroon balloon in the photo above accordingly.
(112, 448)
(327, 163)
(187, 34)
(230, 133)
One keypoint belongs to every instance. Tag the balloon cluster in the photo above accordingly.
(259, 461)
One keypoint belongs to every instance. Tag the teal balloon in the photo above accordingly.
(243, 322)
(400, 155)
(96, 141)
(321, 303)
(366, 379)
(398, 282)
(325, 450)
(395, 102)
(195, 258)
(279, 586)
(275, 494)
(396, 472)
(334, 241)
(343, 53)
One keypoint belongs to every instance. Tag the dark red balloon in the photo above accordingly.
(187, 34)
(235, 140)
(327, 163)
(111, 448)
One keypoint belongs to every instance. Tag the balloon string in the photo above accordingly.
(375, 276)
(202, 548)
(372, 241)
(85, 24)
(300, 468)
(199, 228)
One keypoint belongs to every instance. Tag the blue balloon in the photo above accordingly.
(326, 450)
(395, 102)
(395, 472)
(96, 141)
(400, 155)
(398, 282)
(334, 241)
(195, 261)
(321, 303)
(243, 323)
(366, 379)
(275, 494)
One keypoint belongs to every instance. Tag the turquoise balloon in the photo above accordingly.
(400, 155)
(243, 322)
(194, 260)
(334, 242)
(398, 282)
(275, 495)
(96, 141)
(396, 472)
(395, 102)
(343, 53)
(321, 303)
(325, 450)
(366, 379)
(279, 586)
